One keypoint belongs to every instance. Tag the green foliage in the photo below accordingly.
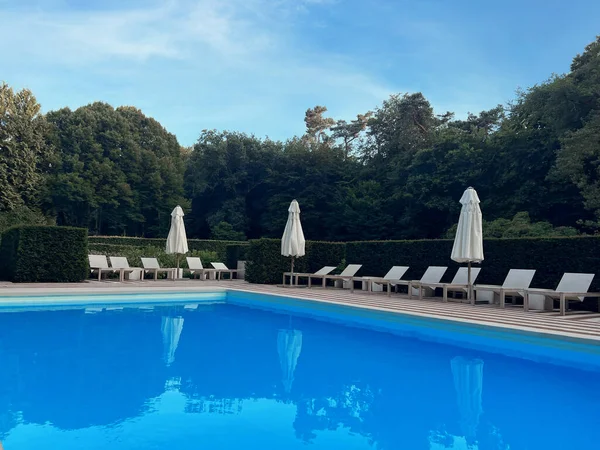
(22, 215)
(115, 171)
(519, 226)
(265, 265)
(551, 257)
(23, 150)
(134, 254)
(224, 231)
(394, 173)
(44, 254)
(217, 247)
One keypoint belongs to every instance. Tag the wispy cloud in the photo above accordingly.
(250, 65)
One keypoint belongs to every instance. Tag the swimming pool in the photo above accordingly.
(211, 372)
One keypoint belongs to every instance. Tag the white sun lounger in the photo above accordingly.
(151, 265)
(195, 267)
(344, 279)
(572, 286)
(99, 264)
(222, 268)
(514, 284)
(432, 275)
(325, 270)
(121, 264)
(388, 280)
(460, 283)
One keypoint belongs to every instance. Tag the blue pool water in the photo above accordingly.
(223, 376)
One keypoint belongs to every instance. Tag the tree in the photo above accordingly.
(226, 178)
(316, 124)
(23, 150)
(349, 132)
(224, 231)
(115, 171)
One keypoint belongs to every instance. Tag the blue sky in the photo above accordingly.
(257, 65)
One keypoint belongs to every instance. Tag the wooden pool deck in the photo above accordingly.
(576, 324)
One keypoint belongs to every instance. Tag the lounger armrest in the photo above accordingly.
(339, 277)
(551, 293)
(488, 287)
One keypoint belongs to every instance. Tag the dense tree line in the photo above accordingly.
(393, 173)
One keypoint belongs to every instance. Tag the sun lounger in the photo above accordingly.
(99, 264)
(195, 267)
(432, 275)
(151, 265)
(322, 271)
(121, 264)
(389, 279)
(344, 279)
(222, 268)
(514, 284)
(572, 286)
(458, 284)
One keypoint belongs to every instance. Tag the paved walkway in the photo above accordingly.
(583, 325)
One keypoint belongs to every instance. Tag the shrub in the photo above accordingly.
(265, 265)
(44, 254)
(224, 231)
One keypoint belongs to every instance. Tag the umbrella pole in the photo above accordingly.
(470, 292)
(292, 276)
(177, 274)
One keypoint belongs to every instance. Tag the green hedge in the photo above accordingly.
(218, 247)
(44, 254)
(265, 265)
(551, 257)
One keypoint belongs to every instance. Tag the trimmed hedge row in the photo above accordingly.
(551, 257)
(265, 265)
(44, 254)
(219, 247)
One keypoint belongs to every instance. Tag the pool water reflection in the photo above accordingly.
(226, 377)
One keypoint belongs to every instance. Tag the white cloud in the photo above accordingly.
(190, 63)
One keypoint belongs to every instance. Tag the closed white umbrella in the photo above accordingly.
(289, 346)
(177, 239)
(468, 383)
(468, 243)
(171, 328)
(292, 242)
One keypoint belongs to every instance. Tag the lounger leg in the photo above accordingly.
(563, 306)
(99, 275)
(309, 282)
(445, 295)
(526, 302)
(389, 290)
(351, 285)
(410, 290)
(324, 280)
(503, 298)
(155, 275)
